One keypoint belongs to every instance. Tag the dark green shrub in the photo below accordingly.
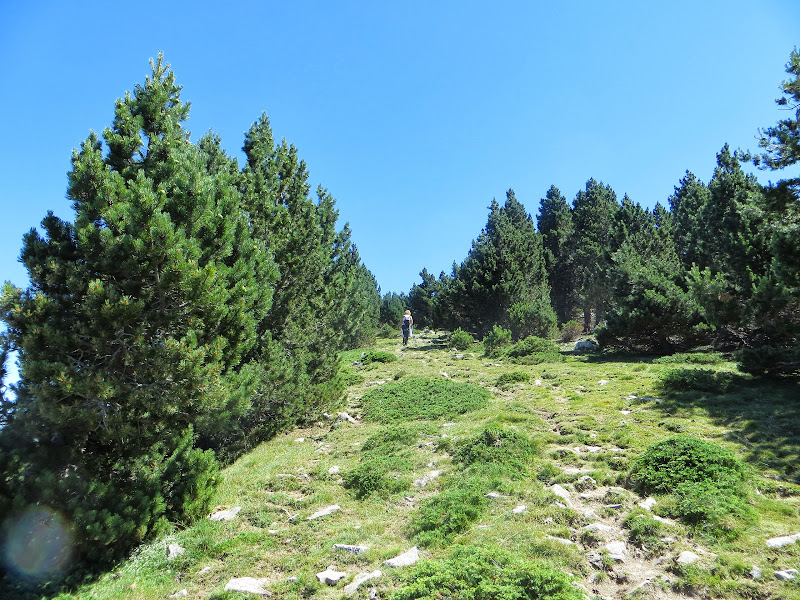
(706, 484)
(644, 531)
(695, 358)
(533, 350)
(770, 361)
(392, 439)
(381, 356)
(472, 573)
(387, 331)
(511, 451)
(461, 340)
(700, 380)
(513, 377)
(534, 317)
(668, 463)
(496, 339)
(350, 377)
(417, 398)
(571, 331)
(377, 473)
(447, 514)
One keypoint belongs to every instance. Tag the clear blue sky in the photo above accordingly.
(415, 114)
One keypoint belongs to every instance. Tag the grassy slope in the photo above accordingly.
(567, 408)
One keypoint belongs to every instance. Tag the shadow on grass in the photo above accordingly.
(761, 415)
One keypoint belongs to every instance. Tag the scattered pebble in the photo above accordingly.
(351, 548)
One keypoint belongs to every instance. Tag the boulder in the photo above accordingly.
(406, 559)
(784, 540)
(225, 515)
(248, 585)
(585, 346)
(331, 576)
(174, 551)
(351, 587)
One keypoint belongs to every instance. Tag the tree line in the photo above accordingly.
(192, 309)
(717, 265)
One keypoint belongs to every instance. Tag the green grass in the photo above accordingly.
(574, 416)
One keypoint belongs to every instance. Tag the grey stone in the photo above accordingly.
(330, 576)
(687, 558)
(561, 493)
(181, 594)
(517, 510)
(334, 470)
(406, 559)
(563, 541)
(174, 551)
(494, 495)
(225, 515)
(648, 503)
(784, 540)
(351, 548)
(598, 528)
(585, 346)
(249, 585)
(324, 512)
(786, 574)
(351, 587)
(585, 483)
(426, 479)
(617, 551)
(755, 572)
(343, 416)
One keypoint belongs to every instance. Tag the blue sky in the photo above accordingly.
(413, 115)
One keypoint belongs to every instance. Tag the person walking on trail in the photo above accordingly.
(408, 323)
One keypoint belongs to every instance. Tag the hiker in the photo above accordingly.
(405, 327)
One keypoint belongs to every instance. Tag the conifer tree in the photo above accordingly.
(504, 267)
(555, 226)
(592, 244)
(134, 333)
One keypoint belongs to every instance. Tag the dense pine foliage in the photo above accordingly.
(190, 310)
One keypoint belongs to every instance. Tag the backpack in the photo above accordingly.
(406, 322)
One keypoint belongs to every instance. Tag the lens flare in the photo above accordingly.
(38, 543)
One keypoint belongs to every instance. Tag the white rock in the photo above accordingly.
(204, 570)
(343, 416)
(561, 540)
(174, 550)
(561, 493)
(330, 576)
(664, 521)
(687, 558)
(784, 540)
(300, 440)
(351, 548)
(603, 382)
(786, 575)
(324, 512)
(755, 572)
(181, 594)
(537, 382)
(351, 588)
(648, 503)
(625, 412)
(616, 550)
(598, 528)
(406, 559)
(519, 509)
(494, 495)
(249, 585)
(426, 479)
(334, 470)
(225, 515)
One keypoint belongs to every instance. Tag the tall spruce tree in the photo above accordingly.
(555, 226)
(593, 212)
(135, 330)
(505, 267)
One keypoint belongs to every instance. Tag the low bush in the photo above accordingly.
(694, 358)
(645, 532)
(380, 356)
(770, 361)
(387, 331)
(474, 573)
(531, 351)
(418, 398)
(497, 338)
(705, 484)
(571, 331)
(447, 514)
(700, 380)
(392, 439)
(375, 473)
(511, 451)
(511, 378)
(461, 340)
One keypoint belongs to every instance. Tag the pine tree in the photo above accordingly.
(685, 204)
(504, 267)
(134, 331)
(555, 226)
(592, 244)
